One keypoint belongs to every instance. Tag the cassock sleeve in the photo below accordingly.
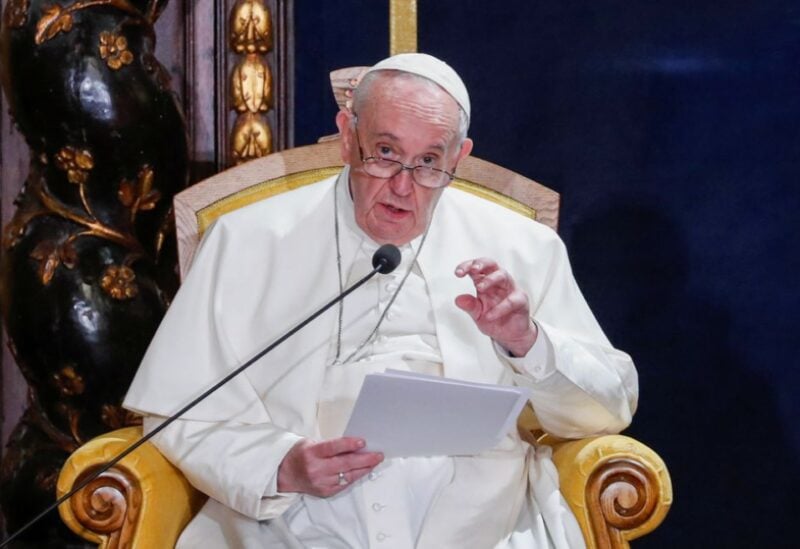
(234, 463)
(228, 446)
(580, 384)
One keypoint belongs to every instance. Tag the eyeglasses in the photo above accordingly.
(386, 168)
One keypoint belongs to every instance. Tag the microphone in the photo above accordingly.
(386, 258)
(384, 261)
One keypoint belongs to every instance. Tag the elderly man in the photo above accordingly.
(481, 294)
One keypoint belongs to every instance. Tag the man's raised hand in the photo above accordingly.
(499, 308)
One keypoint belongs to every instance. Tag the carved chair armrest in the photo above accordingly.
(142, 502)
(618, 488)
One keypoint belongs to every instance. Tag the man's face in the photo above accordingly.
(416, 124)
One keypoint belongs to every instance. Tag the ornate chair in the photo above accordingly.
(618, 488)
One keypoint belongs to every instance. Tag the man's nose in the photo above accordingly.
(402, 183)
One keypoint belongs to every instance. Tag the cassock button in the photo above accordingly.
(381, 536)
(373, 475)
(377, 507)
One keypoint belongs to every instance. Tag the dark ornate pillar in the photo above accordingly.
(87, 266)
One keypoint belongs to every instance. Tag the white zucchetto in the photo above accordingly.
(431, 68)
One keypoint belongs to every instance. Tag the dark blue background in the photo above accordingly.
(672, 131)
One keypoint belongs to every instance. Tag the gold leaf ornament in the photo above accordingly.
(54, 20)
(251, 27)
(139, 195)
(49, 258)
(126, 193)
(148, 197)
(252, 138)
(252, 85)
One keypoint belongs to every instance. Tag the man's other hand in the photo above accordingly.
(313, 467)
(500, 309)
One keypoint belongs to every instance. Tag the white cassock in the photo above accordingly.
(266, 267)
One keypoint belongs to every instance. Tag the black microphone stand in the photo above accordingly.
(384, 261)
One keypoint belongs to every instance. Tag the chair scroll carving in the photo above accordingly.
(618, 488)
(109, 505)
(140, 503)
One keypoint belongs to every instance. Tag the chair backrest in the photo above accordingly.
(198, 206)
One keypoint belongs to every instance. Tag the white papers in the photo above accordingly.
(404, 414)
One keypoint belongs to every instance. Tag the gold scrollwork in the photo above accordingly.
(251, 27)
(251, 85)
(114, 49)
(252, 138)
(119, 281)
(16, 14)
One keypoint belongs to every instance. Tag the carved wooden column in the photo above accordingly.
(88, 265)
(239, 80)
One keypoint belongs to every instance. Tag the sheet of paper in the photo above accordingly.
(404, 414)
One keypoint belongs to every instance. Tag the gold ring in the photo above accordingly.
(342, 479)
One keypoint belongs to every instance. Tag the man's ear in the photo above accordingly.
(466, 148)
(343, 122)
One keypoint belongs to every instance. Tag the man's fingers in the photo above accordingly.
(498, 279)
(513, 303)
(469, 304)
(475, 267)
(336, 446)
(350, 476)
(359, 460)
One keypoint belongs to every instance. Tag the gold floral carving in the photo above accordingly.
(93, 227)
(16, 14)
(251, 84)
(76, 162)
(56, 19)
(252, 138)
(69, 382)
(119, 281)
(251, 27)
(114, 49)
